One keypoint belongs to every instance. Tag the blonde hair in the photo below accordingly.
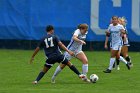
(123, 20)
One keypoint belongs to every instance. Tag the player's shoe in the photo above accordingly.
(86, 79)
(53, 80)
(107, 71)
(118, 67)
(131, 65)
(34, 82)
(128, 66)
(82, 76)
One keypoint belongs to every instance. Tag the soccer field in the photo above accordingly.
(16, 75)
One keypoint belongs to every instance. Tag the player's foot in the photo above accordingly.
(86, 79)
(34, 82)
(131, 65)
(128, 66)
(107, 71)
(118, 67)
(82, 76)
(53, 80)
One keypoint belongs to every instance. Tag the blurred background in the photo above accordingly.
(23, 22)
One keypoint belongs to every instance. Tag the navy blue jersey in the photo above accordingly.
(50, 45)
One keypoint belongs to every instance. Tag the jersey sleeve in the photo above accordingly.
(57, 39)
(77, 32)
(122, 27)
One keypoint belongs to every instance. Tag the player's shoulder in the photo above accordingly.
(77, 32)
(110, 25)
(120, 25)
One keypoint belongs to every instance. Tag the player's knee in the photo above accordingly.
(85, 61)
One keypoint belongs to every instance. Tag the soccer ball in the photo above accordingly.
(93, 78)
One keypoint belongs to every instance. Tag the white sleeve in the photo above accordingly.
(122, 27)
(109, 28)
(77, 32)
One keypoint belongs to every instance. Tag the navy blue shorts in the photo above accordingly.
(57, 58)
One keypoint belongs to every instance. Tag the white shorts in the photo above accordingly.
(68, 56)
(116, 47)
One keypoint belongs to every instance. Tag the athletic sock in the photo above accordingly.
(57, 71)
(117, 61)
(74, 69)
(112, 61)
(128, 59)
(122, 59)
(85, 69)
(41, 74)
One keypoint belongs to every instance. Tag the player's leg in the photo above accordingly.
(82, 57)
(41, 74)
(73, 68)
(123, 60)
(60, 67)
(49, 63)
(126, 56)
(112, 61)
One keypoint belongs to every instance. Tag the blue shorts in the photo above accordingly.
(56, 58)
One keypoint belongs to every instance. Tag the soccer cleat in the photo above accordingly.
(86, 79)
(128, 66)
(53, 80)
(34, 82)
(107, 71)
(118, 67)
(82, 76)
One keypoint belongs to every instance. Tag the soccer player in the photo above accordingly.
(115, 31)
(124, 50)
(75, 46)
(51, 45)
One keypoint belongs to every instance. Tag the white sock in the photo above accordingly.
(57, 71)
(112, 60)
(123, 60)
(85, 68)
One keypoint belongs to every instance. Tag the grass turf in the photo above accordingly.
(16, 74)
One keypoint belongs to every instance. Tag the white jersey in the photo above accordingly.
(115, 33)
(76, 46)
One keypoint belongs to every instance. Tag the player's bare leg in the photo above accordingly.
(41, 74)
(82, 57)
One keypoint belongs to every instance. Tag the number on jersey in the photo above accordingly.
(49, 40)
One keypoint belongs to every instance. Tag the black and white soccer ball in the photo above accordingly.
(94, 78)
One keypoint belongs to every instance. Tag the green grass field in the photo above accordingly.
(16, 75)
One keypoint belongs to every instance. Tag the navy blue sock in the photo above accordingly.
(74, 69)
(41, 74)
(128, 59)
(117, 61)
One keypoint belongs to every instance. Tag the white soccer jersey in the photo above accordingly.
(116, 37)
(76, 46)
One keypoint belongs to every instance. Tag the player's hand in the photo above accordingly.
(82, 42)
(31, 60)
(71, 53)
(106, 47)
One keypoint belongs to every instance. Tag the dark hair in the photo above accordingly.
(114, 17)
(49, 28)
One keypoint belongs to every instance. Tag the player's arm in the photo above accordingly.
(106, 40)
(124, 35)
(34, 54)
(64, 48)
(75, 38)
